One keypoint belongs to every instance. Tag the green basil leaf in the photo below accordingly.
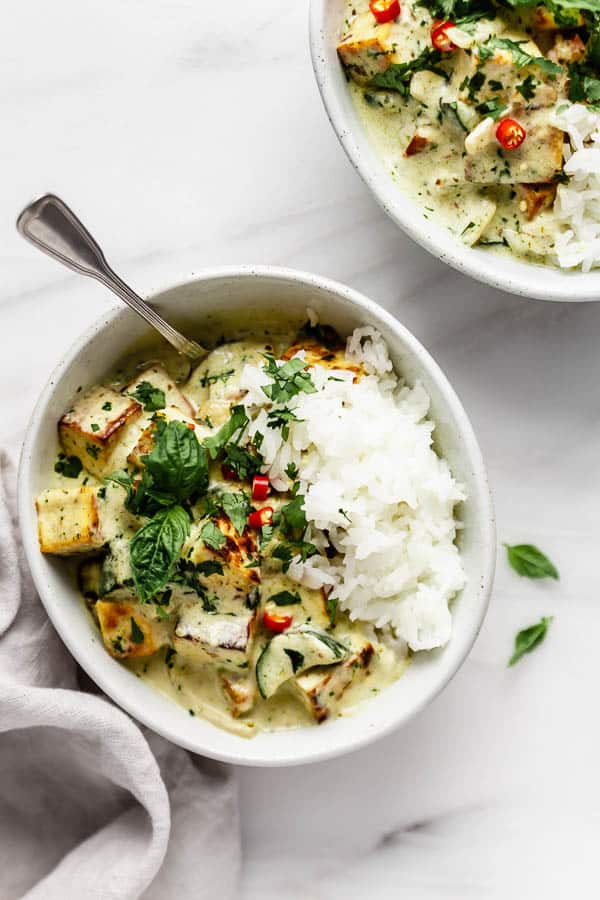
(155, 549)
(285, 598)
(178, 464)
(212, 536)
(527, 560)
(529, 638)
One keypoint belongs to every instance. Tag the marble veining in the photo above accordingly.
(186, 139)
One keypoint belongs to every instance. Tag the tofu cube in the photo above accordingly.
(159, 378)
(535, 198)
(320, 690)
(209, 637)
(537, 160)
(96, 425)
(330, 356)
(128, 630)
(238, 586)
(366, 49)
(68, 521)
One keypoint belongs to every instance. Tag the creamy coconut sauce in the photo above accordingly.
(192, 680)
(427, 134)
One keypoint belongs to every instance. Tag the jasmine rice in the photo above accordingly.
(374, 488)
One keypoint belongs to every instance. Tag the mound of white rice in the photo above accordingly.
(577, 205)
(372, 480)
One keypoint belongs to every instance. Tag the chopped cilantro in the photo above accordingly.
(150, 397)
(288, 380)
(69, 466)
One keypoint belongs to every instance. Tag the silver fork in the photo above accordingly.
(55, 229)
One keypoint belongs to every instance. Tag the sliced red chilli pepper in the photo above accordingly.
(260, 487)
(228, 473)
(439, 36)
(261, 517)
(385, 10)
(510, 134)
(276, 623)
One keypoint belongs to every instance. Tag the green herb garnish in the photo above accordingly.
(212, 536)
(137, 635)
(155, 548)
(289, 379)
(69, 466)
(527, 560)
(529, 638)
(150, 397)
(285, 598)
(207, 379)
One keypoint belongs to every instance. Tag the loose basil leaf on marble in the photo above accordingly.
(530, 638)
(155, 549)
(527, 560)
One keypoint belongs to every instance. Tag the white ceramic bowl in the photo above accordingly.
(257, 294)
(501, 271)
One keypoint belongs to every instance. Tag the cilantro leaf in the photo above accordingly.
(287, 550)
(281, 418)
(332, 608)
(69, 466)
(289, 379)
(493, 108)
(237, 506)
(527, 560)
(151, 398)
(212, 536)
(233, 428)
(293, 515)
(397, 76)
(155, 548)
(527, 87)
(529, 638)
(285, 598)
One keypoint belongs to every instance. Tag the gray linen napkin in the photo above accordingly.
(91, 807)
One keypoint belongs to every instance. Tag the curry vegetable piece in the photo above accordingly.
(294, 651)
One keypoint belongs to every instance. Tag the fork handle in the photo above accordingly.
(50, 225)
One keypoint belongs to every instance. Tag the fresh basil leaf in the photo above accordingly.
(69, 466)
(529, 638)
(177, 464)
(527, 560)
(212, 536)
(289, 379)
(237, 507)
(285, 598)
(155, 549)
(150, 397)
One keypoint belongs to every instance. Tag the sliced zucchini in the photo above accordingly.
(294, 652)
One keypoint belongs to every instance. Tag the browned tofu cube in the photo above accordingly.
(330, 357)
(127, 629)
(213, 637)
(98, 423)
(367, 47)
(68, 521)
(535, 198)
(320, 690)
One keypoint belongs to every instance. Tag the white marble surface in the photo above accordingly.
(186, 138)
